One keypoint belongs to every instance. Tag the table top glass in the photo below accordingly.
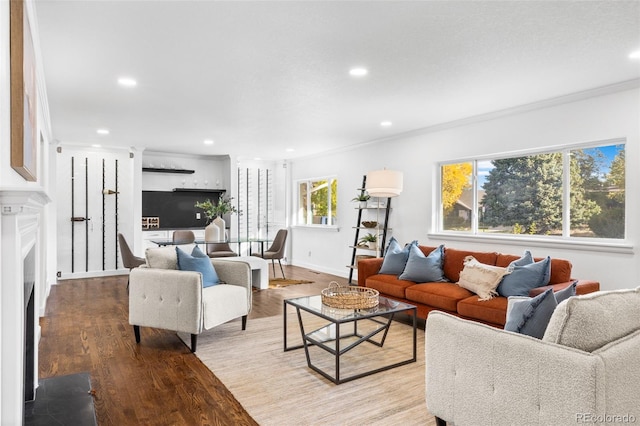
(314, 305)
(169, 241)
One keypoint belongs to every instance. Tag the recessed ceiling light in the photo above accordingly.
(102, 131)
(208, 141)
(385, 123)
(635, 55)
(289, 149)
(127, 82)
(257, 158)
(96, 145)
(358, 72)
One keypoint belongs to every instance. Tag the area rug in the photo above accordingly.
(277, 387)
(283, 282)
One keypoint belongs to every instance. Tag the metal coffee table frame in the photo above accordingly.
(382, 315)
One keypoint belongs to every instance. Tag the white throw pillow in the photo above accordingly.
(480, 278)
(162, 257)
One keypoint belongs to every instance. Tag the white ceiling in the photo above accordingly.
(259, 77)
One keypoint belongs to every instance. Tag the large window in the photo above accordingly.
(573, 193)
(317, 201)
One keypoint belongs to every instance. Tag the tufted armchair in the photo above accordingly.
(167, 298)
(584, 370)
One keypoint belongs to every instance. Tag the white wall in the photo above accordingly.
(121, 221)
(11, 287)
(603, 117)
(211, 172)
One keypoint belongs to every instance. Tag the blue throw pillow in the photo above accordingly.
(395, 257)
(199, 262)
(530, 315)
(525, 277)
(526, 259)
(566, 293)
(424, 269)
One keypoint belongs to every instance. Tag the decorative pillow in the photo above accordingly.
(526, 259)
(424, 269)
(566, 293)
(198, 262)
(395, 257)
(530, 315)
(164, 257)
(525, 276)
(161, 258)
(480, 278)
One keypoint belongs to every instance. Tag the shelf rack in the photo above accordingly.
(382, 231)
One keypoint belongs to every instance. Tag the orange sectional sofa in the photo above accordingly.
(451, 298)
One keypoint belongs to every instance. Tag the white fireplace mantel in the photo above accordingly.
(20, 221)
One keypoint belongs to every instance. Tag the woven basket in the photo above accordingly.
(349, 297)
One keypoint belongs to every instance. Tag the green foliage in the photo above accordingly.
(609, 224)
(453, 222)
(526, 193)
(213, 210)
(609, 196)
(319, 198)
(369, 238)
(616, 178)
(584, 171)
(362, 197)
(523, 191)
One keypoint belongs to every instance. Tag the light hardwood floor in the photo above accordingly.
(159, 381)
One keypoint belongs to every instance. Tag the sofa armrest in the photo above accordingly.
(477, 374)
(366, 268)
(166, 298)
(583, 287)
(235, 273)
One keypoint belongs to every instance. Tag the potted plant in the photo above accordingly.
(362, 199)
(211, 210)
(369, 240)
(215, 231)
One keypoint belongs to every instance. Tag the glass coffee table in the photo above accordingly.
(345, 329)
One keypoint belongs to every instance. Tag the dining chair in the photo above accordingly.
(129, 260)
(183, 237)
(220, 250)
(276, 251)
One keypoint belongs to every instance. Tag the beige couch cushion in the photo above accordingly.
(593, 320)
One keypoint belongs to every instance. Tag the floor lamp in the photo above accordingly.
(383, 184)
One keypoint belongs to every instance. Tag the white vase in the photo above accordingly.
(220, 223)
(214, 232)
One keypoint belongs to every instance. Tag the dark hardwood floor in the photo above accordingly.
(159, 381)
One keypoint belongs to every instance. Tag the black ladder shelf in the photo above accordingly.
(382, 232)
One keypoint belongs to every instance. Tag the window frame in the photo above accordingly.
(621, 245)
(309, 209)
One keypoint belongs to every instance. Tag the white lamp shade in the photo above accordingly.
(384, 183)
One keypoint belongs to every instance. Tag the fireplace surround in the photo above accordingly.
(22, 233)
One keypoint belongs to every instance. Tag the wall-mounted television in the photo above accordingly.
(176, 209)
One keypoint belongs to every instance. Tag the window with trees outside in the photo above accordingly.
(317, 201)
(577, 192)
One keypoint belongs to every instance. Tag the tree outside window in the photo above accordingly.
(317, 201)
(525, 195)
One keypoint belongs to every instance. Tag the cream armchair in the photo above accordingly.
(175, 300)
(584, 370)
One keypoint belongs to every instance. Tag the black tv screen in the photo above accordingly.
(176, 209)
